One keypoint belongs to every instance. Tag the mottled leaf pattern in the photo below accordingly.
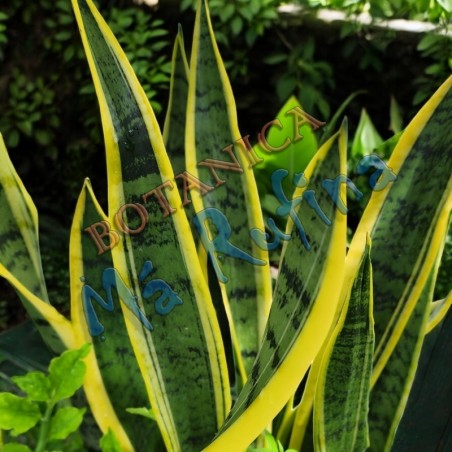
(174, 129)
(305, 301)
(390, 392)
(212, 127)
(408, 211)
(342, 399)
(113, 380)
(182, 359)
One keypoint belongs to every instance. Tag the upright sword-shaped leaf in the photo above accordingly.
(342, 396)
(182, 359)
(410, 210)
(219, 157)
(20, 257)
(306, 296)
(113, 380)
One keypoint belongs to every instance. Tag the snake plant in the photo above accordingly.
(172, 285)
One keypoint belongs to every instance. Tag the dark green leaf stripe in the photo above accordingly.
(19, 248)
(175, 121)
(416, 202)
(182, 359)
(390, 393)
(306, 296)
(211, 127)
(342, 396)
(411, 210)
(114, 355)
(174, 129)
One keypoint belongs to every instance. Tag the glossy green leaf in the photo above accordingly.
(16, 447)
(184, 371)
(297, 145)
(20, 258)
(342, 396)
(438, 311)
(109, 443)
(366, 139)
(302, 310)
(22, 349)
(145, 412)
(36, 385)
(66, 372)
(17, 414)
(231, 193)
(64, 422)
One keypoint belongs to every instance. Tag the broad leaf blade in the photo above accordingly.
(412, 210)
(113, 380)
(390, 392)
(305, 302)
(342, 397)
(212, 127)
(182, 360)
(20, 258)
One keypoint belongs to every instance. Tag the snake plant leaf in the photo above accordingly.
(303, 419)
(302, 429)
(20, 258)
(113, 380)
(366, 139)
(305, 301)
(218, 156)
(390, 392)
(342, 397)
(179, 352)
(438, 311)
(412, 210)
(174, 128)
(426, 421)
(395, 116)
